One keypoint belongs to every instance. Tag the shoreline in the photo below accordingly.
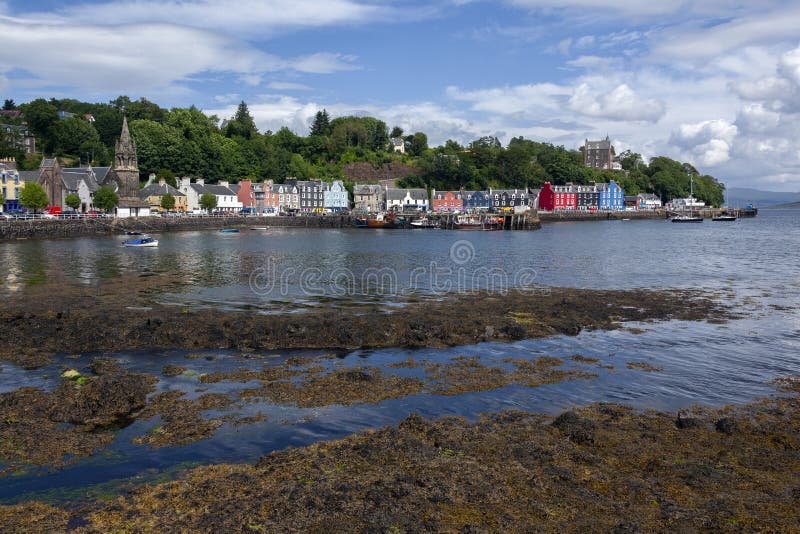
(602, 467)
(124, 315)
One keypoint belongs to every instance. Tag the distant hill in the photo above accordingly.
(791, 205)
(741, 196)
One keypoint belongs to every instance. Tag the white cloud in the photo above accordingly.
(638, 8)
(707, 142)
(288, 86)
(699, 43)
(229, 16)
(324, 63)
(140, 58)
(620, 104)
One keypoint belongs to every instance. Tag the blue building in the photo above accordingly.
(611, 196)
(335, 197)
(476, 200)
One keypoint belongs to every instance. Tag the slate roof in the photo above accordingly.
(367, 190)
(603, 144)
(158, 190)
(400, 194)
(510, 192)
(235, 188)
(29, 176)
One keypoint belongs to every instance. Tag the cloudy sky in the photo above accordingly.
(712, 82)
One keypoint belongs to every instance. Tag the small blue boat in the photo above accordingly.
(229, 231)
(145, 241)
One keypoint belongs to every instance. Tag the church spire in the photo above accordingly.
(125, 149)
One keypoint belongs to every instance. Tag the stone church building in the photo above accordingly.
(123, 178)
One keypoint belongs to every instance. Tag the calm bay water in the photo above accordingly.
(752, 263)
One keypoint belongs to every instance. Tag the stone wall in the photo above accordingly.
(56, 228)
(556, 216)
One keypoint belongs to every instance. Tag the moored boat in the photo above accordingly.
(465, 222)
(229, 231)
(145, 241)
(423, 222)
(360, 222)
(691, 217)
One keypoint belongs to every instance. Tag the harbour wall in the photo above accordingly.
(563, 216)
(61, 228)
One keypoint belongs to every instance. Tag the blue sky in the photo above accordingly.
(714, 82)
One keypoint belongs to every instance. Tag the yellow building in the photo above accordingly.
(153, 193)
(11, 182)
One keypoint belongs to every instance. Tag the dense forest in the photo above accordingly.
(187, 142)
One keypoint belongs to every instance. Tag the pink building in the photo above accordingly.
(246, 195)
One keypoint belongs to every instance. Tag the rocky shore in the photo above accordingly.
(602, 468)
(125, 315)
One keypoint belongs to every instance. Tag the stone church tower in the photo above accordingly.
(124, 176)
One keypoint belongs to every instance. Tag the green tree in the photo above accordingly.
(168, 176)
(106, 199)
(208, 201)
(417, 143)
(32, 196)
(2, 199)
(242, 123)
(74, 136)
(73, 201)
(167, 202)
(322, 123)
(396, 132)
(9, 104)
(40, 115)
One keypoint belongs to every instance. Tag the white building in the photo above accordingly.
(227, 199)
(684, 204)
(407, 199)
(647, 201)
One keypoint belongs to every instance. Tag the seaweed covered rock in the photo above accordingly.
(576, 428)
(103, 401)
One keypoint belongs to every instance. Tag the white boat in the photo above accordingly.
(691, 217)
(423, 222)
(145, 241)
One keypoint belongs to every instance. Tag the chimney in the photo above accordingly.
(224, 183)
(185, 182)
(162, 182)
(200, 181)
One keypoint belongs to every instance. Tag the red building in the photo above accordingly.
(245, 194)
(557, 197)
(448, 201)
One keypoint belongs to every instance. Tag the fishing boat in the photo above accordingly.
(229, 231)
(360, 222)
(466, 222)
(691, 217)
(385, 220)
(145, 241)
(423, 222)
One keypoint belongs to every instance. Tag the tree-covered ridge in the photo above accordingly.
(187, 142)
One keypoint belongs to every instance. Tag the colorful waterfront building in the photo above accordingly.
(476, 200)
(448, 200)
(612, 197)
(557, 197)
(335, 196)
(12, 183)
(508, 199)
